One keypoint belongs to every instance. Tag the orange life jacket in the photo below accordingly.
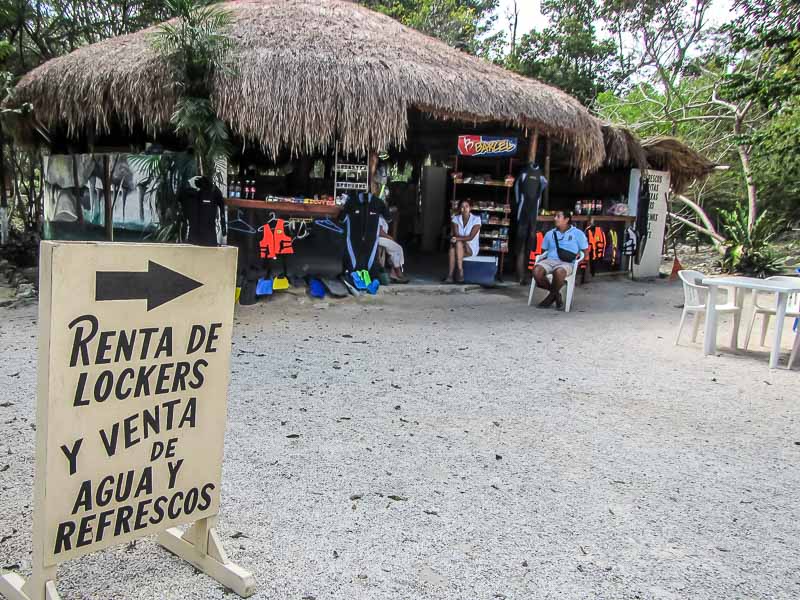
(283, 243)
(267, 243)
(597, 242)
(537, 251)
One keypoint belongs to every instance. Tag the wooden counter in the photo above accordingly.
(287, 208)
(595, 218)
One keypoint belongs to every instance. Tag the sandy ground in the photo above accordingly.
(466, 447)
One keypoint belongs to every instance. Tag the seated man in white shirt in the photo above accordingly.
(464, 240)
(395, 252)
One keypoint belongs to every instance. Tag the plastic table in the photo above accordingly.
(741, 285)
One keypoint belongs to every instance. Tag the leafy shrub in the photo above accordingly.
(750, 251)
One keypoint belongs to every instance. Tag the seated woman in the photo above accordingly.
(394, 250)
(464, 240)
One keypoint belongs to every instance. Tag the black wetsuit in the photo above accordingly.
(361, 217)
(202, 207)
(642, 216)
(528, 191)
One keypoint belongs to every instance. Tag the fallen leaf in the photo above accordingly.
(293, 436)
(398, 498)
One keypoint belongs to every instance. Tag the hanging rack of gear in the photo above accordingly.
(323, 243)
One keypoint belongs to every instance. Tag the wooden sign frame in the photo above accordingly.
(88, 294)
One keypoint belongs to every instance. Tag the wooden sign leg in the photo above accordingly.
(43, 587)
(201, 547)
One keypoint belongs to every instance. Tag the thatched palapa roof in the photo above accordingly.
(624, 149)
(309, 72)
(685, 165)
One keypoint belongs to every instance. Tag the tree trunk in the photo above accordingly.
(752, 197)
(3, 195)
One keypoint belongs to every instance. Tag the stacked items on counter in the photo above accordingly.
(247, 191)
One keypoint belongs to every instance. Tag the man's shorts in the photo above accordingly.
(549, 265)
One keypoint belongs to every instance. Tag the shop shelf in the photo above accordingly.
(290, 208)
(487, 183)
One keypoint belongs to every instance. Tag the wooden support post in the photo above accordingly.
(547, 149)
(40, 586)
(109, 203)
(201, 547)
(372, 186)
(533, 145)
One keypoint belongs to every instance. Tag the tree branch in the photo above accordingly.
(701, 214)
(716, 238)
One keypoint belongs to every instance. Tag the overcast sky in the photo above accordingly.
(531, 18)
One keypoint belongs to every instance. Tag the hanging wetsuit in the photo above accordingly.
(203, 206)
(528, 192)
(642, 217)
(361, 222)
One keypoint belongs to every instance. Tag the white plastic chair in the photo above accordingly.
(695, 297)
(795, 348)
(570, 281)
(767, 312)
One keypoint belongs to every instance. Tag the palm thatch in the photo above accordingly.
(623, 148)
(684, 164)
(308, 72)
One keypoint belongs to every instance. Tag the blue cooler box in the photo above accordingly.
(480, 269)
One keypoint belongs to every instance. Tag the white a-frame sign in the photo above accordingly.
(134, 361)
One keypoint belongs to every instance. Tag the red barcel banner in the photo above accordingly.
(484, 145)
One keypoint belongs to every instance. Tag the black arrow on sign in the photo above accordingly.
(158, 285)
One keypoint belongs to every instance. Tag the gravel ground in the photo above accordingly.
(465, 447)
